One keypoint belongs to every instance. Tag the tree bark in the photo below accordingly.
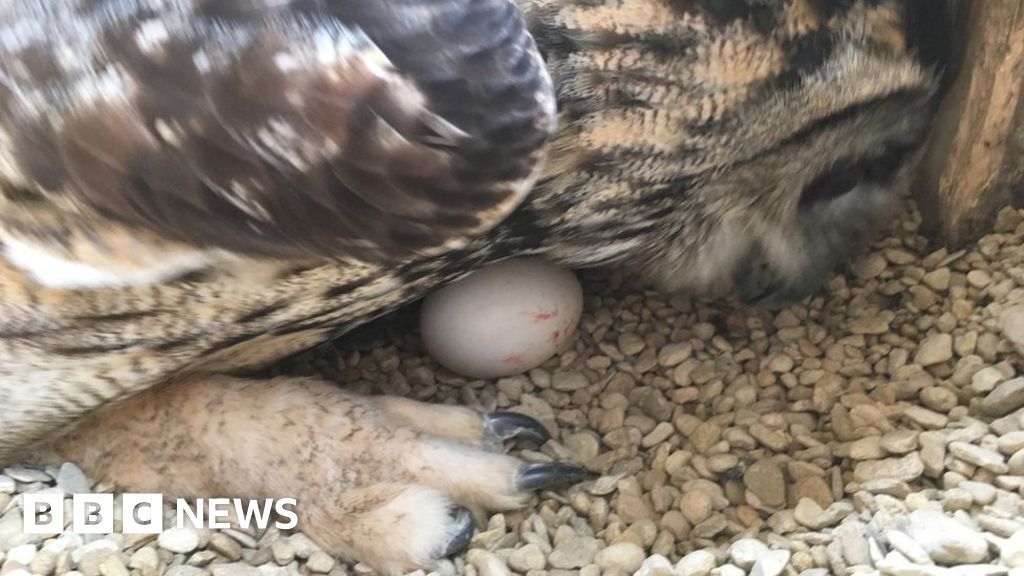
(973, 164)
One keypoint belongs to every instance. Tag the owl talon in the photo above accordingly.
(502, 426)
(551, 476)
(463, 529)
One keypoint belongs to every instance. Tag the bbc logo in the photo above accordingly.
(93, 513)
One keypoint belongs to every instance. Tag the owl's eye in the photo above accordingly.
(833, 183)
(847, 174)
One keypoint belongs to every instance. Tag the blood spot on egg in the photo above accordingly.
(555, 335)
(543, 316)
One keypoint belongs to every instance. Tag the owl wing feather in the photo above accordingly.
(270, 128)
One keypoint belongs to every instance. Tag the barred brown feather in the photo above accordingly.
(286, 129)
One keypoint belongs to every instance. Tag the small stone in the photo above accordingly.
(625, 556)
(986, 379)
(27, 475)
(934, 349)
(320, 562)
(944, 539)
(225, 546)
(745, 552)
(869, 325)
(937, 279)
(705, 436)
(72, 480)
(696, 506)
(7, 484)
(815, 488)
(933, 453)
(486, 563)
(113, 566)
(529, 557)
(144, 559)
(765, 479)
(1007, 397)
(939, 399)
(926, 418)
(710, 527)
(673, 354)
(906, 469)
(1012, 550)
(576, 552)
(908, 547)
(771, 564)
(1011, 442)
(900, 441)
(180, 540)
(894, 488)
(283, 552)
(656, 565)
(870, 266)
(1011, 321)
(956, 499)
(659, 434)
(696, 563)
(869, 448)
(568, 381)
(630, 344)
(979, 456)
(981, 493)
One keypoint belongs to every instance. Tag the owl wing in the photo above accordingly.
(271, 128)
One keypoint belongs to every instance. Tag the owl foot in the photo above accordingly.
(383, 480)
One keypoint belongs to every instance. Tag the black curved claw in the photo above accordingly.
(514, 426)
(465, 528)
(551, 476)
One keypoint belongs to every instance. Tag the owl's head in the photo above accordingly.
(808, 164)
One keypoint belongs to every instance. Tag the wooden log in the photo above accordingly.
(973, 164)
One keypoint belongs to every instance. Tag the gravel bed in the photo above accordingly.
(876, 429)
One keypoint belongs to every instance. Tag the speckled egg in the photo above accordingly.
(502, 320)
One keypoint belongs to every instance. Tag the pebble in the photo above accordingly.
(906, 469)
(771, 564)
(745, 552)
(696, 506)
(696, 563)
(900, 441)
(72, 480)
(1011, 321)
(926, 418)
(945, 540)
(529, 557)
(576, 552)
(1005, 398)
(934, 349)
(625, 556)
(1011, 551)
(180, 540)
(225, 546)
(979, 456)
(487, 563)
(765, 479)
(144, 559)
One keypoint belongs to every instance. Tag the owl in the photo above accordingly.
(195, 188)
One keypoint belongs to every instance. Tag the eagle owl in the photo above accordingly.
(194, 187)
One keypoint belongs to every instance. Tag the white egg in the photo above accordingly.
(502, 320)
